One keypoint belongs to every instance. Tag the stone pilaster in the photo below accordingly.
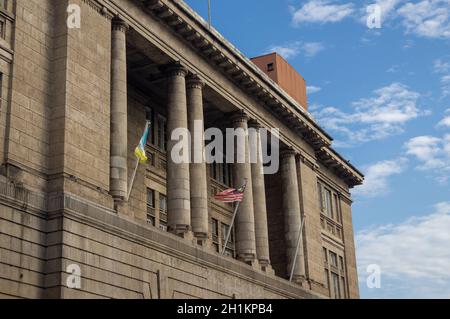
(259, 199)
(292, 214)
(178, 185)
(197, 169)
(118, 166)
(245, 220)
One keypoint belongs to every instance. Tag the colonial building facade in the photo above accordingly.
(74, 102)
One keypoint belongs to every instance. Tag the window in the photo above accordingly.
(327, 208)
(328, 202)
(221, 172)
(333, 259)
(158, 127)
(335, 292)
(333, 281)
(270, 67)
(336, 208)
(343, 294)
(215, 233)
(163, 212)
(341, 263)
(325, 255)
(229, 251)
(162, 126)
(151, 218)
(327, 279)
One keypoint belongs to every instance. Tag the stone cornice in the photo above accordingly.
(340, 166)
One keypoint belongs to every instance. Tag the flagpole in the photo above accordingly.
(209, 14)
(296, 250)
(136, 168)
(133, 178)
(232, 220)
(230, 228)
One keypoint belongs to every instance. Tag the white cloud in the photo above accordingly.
(433, 155)
(377, 177)
(428, 150)
(311, 89)
(322, 11)
(441, 66)
(293, 49)
(413, 255)
(387, 8)
(445, 85)
(375, 118)
(445, 122)
(310, 49)
(427, 18)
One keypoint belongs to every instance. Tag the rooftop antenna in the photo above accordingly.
(209, 14)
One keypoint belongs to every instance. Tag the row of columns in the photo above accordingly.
(187, 191)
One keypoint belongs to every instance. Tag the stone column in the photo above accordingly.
(245, 220)
(259, 198)
(198, 179)
(119, 147)
(178, 187)
(292, 214)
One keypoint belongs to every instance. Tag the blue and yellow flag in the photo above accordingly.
(140, 149)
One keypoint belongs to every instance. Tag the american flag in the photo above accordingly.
(231, 195)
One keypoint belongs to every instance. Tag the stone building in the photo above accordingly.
(74, 102)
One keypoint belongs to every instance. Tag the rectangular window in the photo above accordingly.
(163, 212)
(270, 67)
(215, 233)
(343, 294)
(337, 211)
(326, 278)
(319, 193)
(333, 259)
(229, 251)
(151, 218)
(341, 263)
(151, 118)
(162, 126)
(328, 206)
(335, 292)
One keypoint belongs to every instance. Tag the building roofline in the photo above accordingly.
(245, 72)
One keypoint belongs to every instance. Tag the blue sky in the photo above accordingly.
(384, 95)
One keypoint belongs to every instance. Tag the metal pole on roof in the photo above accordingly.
(209, 14)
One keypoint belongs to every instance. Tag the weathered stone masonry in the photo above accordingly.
(73, 106)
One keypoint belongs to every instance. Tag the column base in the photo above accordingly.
(266, 267)
(182, 231)
(200, 239)
(248, 258)
(299, 280)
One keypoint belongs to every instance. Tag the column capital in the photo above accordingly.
(119, 25)
(194, 82)
(239, 117)
(254, 124)
(176, 69)
(288, 152)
